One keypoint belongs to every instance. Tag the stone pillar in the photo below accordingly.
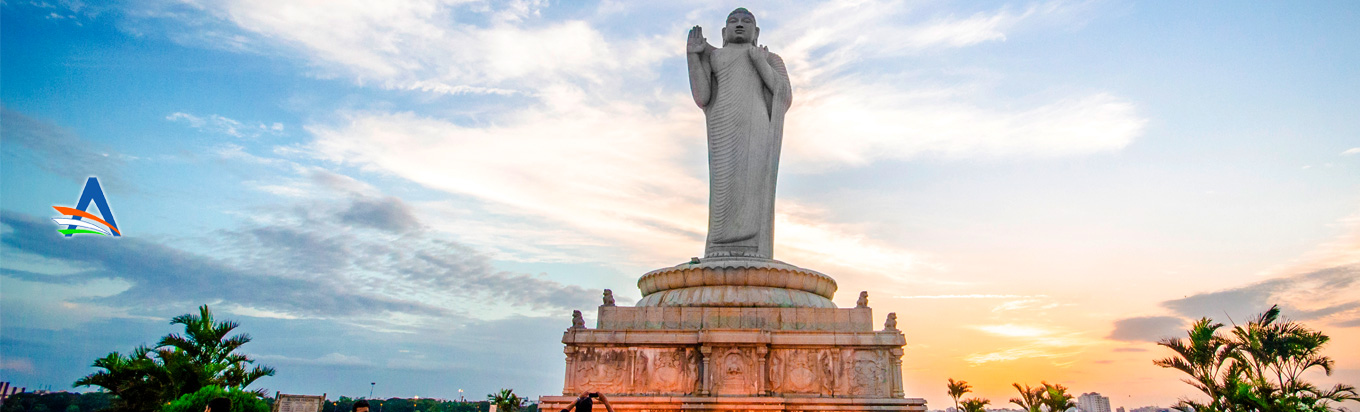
(706, 370)
(569, 386)
(896, 370)
(763, 386)
(632, 369)
(833, 383)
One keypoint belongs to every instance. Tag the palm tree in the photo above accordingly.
(1056, 399)
(1255, 367)
(975, 405)
(506, 400)
(205, 344)
(957, 390)
(1270, 355)
(180, 364)
(1205, 357)
(1030, 398)
(137, 381)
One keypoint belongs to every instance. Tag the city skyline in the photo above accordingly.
(418, 194)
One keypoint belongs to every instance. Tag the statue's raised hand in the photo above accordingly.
(759, 53)
(697, 43)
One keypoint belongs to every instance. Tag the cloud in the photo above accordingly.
(971, 296)
(303, 263)
(1147, 329)
(162, 276)
(1306, 296)
(1351, 151)
(17, 365)
(390, 214)
(1030, 341)
(1015, 331)
(597, 151)
(1129, 350)
(330, 359)
(225, 125)
(58, 150)
(873, 125)
(437, 46)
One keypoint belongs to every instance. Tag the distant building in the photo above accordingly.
(1119, 409)
(1093, 402)
(6, 390)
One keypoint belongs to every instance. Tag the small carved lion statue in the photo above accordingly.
(577, 321)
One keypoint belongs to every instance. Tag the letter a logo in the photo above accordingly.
(74, 224)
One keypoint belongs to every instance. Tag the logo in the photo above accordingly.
(74, 225)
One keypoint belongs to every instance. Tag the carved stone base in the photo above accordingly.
(737, 282)
(769, 353)
(739, 404)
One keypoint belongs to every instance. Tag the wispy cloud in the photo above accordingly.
(968, 296)
(606, 154)
(58, 150)
(360, 259)
(225, 125)
(1148, 328)
(1351, 151)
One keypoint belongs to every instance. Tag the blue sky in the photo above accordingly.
(419, 193)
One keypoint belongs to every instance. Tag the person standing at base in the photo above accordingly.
(218, 405)
(584, 404)
(360, 406)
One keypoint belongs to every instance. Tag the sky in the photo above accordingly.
(417, 194)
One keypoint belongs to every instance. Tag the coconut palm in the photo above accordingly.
(957, 389)
(1030, 398)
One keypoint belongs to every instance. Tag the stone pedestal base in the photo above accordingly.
(735, 334)
(737, 352)
(738, 404)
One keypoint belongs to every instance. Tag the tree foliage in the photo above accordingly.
(1256, 367)
(241, 401)
(957, 389)
(205, 355)
(1045, 397)
(506, 400)
(975, 405)
(1030, 398)
(1056, 398)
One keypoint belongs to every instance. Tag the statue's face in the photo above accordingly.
(741, 28)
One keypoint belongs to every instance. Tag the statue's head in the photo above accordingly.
(740, 28)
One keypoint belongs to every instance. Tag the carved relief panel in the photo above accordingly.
(868, 373)
(802, 371)
(735, 371)
(602, 369)
(665, 371)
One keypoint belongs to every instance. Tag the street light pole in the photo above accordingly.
(371, 385)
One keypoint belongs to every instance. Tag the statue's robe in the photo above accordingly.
(745, 122)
